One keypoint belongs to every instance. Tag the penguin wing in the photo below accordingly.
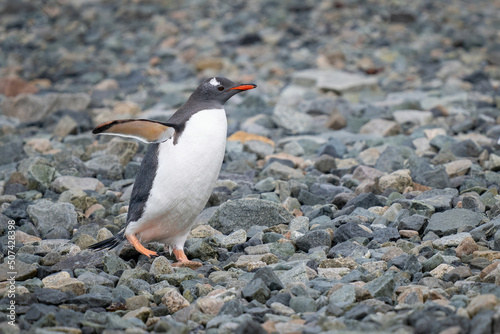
(144, 130)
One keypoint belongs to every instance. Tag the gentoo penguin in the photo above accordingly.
(179, 169)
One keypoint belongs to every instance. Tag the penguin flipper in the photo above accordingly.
(145, 130)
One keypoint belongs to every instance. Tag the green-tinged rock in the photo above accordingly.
(123, 149)
(160, 266)
(142, 313)
(130, 274)
(244, 213)
(283, 250)
(197, 248)
(180, 275)
(296, 273)
(346, 294)
(40, 176)
(449, 222)
(419, 208)
(83, 240)
(113, 263)
(382, 287)
(432, 262)
(302, 304)
(47, 216)
(256, 290)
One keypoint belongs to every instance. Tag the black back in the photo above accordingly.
(143, 183)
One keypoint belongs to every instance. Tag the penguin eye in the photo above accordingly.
(220, 88)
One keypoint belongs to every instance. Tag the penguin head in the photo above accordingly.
(220, 89)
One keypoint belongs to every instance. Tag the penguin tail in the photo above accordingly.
(109, 243)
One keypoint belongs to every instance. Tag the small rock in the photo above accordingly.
(173, 300)
(47, 215)
(348, 231)
(363, 173)
(458, 167)
(381, 127)
(314, 239)
(440, 270)
(282, 309)
(440, 199)
(66, 182)
(481, 302)
(411, 295)
(107, 84)
(259, 148)
(280, 171)
(245, 260)
(13, 86)
(338, 81)
(62, 281)
(268, 276)
(450, 241)
(302, 304)
(142, 313)
(90, 279)
(297, 273)
(243, 137)
(382, 287)
(416, 117)
(494, 162)
(65, 126)
(51, 296)
(432, 262)
(160, 266)
(237, 237)
(325, 163)
(448, 222)
(200, 249)
(137, 302)
(345, 293)
(256, 290)
(408, 234)
(113, 264)
(365, 200)
(349, 249)
(293, 148)
(239, 214)
(265, 185)
(466, 247)
(107, 166)
(399, 180)
(30, 108)
(299, 224)
(210, 305)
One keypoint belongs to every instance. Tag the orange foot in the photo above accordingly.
(139, 247)
(182, 260)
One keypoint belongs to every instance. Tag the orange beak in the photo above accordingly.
(244, 87)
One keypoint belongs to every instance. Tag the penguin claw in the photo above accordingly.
(139, 247)
(151, 254)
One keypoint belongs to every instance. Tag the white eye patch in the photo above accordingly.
(214, 82)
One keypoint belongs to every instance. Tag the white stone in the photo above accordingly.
(416, 117)
(338, 81)
(450, 241)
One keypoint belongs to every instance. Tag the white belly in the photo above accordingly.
(187, 172)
